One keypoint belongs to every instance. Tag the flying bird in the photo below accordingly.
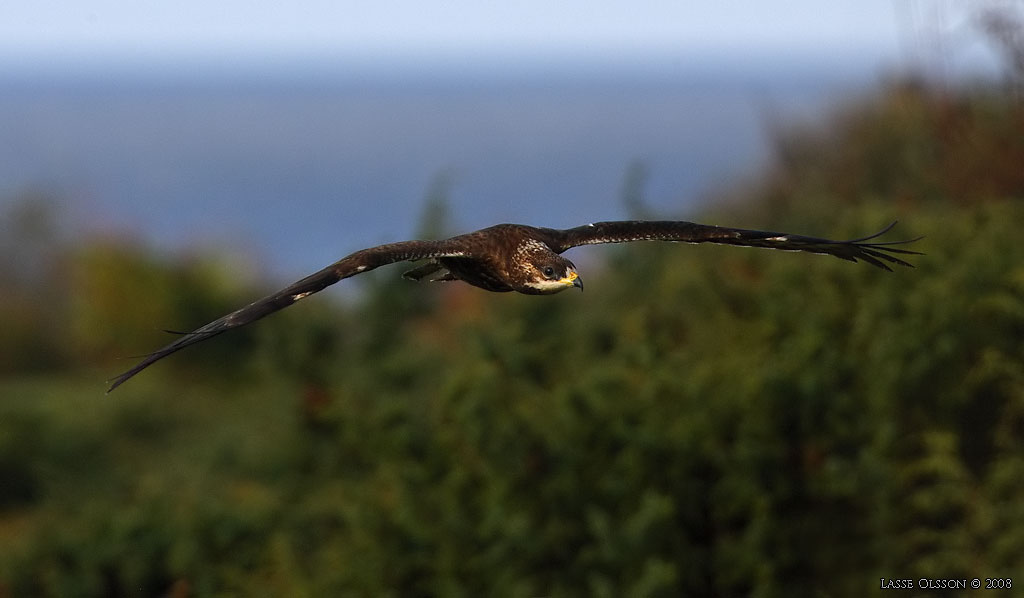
(525, 259)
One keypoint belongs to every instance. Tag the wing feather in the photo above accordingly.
(350, 265)
(874, 253)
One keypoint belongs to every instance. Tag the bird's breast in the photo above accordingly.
(478, 274)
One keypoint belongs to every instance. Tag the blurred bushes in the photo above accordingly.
(909, 145)
(703, 421)
(66, 302)
(32, 290)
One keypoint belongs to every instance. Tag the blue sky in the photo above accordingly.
(174, 171)
(137, 30)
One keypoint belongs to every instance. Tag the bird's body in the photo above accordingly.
(501, 258)
(525, 259)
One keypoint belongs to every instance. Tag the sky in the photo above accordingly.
(141, 30)
(710, 74)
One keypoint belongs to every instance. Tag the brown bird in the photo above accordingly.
(525, 259)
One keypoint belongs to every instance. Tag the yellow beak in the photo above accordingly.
(572, 280)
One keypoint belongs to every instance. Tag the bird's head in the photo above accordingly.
(548, 273)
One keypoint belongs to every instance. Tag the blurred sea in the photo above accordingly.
(297, 168)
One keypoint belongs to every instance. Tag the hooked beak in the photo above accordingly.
(573, 279)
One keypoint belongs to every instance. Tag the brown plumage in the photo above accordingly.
(525, 259)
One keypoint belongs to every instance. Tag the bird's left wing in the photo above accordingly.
(356, 263)
(874, 253)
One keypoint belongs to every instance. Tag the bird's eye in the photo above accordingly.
(549, 272)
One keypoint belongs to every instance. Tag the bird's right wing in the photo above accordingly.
(356, 263)
(864, 248)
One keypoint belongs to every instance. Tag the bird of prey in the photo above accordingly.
(525, 259)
